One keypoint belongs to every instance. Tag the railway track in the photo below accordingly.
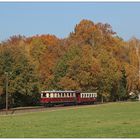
(20, 110)
(25, 110)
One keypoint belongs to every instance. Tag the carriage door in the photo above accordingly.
(77, 97)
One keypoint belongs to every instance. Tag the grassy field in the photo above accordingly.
(113, 120)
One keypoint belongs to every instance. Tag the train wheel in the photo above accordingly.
(45, 105)
(75, 103)
(50, 105)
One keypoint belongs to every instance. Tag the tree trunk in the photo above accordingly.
(102, 99)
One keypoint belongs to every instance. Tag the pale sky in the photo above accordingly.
(60, 18)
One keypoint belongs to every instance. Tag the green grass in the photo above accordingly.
(113, 120)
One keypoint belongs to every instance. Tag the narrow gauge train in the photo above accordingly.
(50, 98)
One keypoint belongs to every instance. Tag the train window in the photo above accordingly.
(66, 94)
(58, 94)
(52, 95)
(62, 94)
(83, 95)
(49, 95)
(44, 94)
(69, 94)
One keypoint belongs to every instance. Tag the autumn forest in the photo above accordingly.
(93, 58)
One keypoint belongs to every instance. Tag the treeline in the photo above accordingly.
(92, 58)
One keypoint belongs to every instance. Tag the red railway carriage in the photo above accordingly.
(66, 97)
(86, 97)
(57, 97)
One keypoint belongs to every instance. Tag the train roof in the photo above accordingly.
(53, 91)
(67, 91)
